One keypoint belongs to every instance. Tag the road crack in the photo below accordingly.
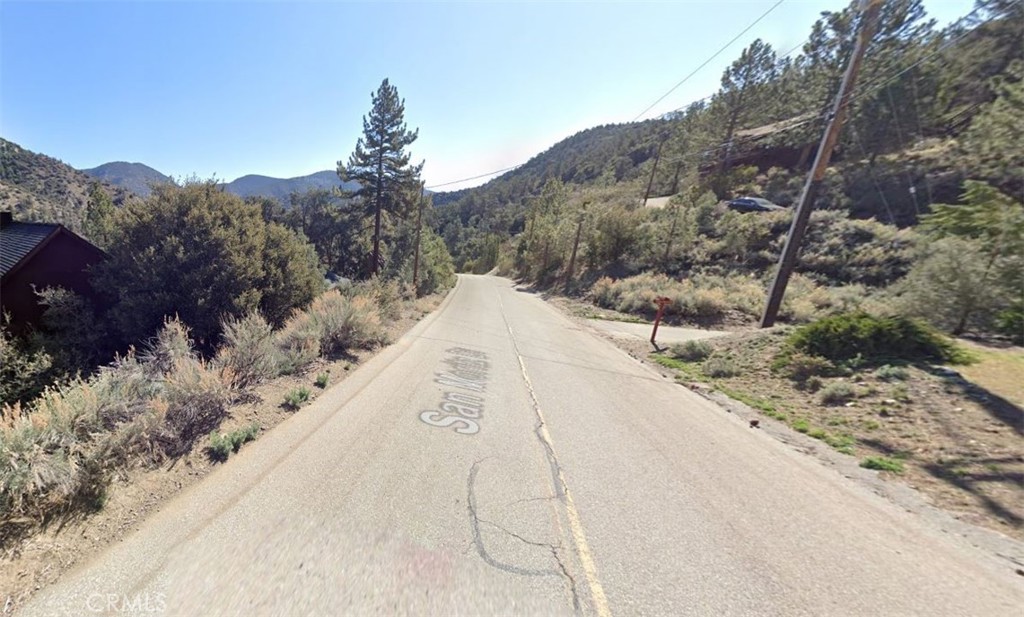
(481, 549)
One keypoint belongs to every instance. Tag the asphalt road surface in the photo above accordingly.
(500, 460)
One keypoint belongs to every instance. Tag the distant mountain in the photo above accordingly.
(280, 189)
(36, 187)
(135, 177)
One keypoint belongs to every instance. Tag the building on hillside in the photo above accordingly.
(41, 255)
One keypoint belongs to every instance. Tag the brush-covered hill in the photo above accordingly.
(135, 177)
(281, 188)
(36, 187)
(933, 107)
(607, 154)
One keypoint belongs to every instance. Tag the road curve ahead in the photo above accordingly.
(500, 460)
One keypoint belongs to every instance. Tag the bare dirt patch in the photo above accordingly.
(37, 560)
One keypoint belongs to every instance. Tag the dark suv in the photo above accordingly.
(753, 204)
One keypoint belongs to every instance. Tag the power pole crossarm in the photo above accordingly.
(869, 16)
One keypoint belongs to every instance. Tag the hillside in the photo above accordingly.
(134, 177)
(281, 188)
(920, 125)
(604, 155)
(37, 187)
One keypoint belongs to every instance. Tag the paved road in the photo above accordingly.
(499, 460)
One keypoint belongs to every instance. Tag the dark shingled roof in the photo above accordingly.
(18, 239)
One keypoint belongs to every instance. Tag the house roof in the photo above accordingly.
(18, 240)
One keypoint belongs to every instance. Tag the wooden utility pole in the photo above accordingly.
(575, 248)
(419, 229)
(650, 181)
(869, 16)
(671, 233)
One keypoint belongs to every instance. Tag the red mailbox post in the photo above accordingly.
(662, 303)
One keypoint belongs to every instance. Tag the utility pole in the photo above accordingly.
(575, 247)
(671, 232)
(419, 229)
(650, 181)
(869, 16)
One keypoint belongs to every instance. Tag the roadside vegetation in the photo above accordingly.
(206, 297)
(889, 391)
(59, 452)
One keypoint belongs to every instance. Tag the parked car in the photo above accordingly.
(753, 204)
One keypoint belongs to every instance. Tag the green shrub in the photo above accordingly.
(888, 372)
(295, 398)
(800, 366)
(222, 445)
(882, 463)
(836, 393)
(1010, 322)
(718, 365)
(691, 351)
(323, 379)
(23, 369)
(201, 253)
(875, 339)
(248, 351)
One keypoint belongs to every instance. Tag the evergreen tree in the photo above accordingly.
(745, 88)
(99, 217)
(380, 164)
(992, 144)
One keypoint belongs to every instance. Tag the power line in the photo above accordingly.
(708, 61)
(863, 90)
(694, 72)
(435, 186)
(884, 81)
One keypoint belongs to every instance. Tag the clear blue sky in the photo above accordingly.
(234, 88)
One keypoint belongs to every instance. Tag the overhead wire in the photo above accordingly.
(859, 91)
(649, 107)
(708, 61)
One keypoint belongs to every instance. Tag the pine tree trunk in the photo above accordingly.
(376, 215)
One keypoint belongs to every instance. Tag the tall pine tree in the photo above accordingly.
(380, 164)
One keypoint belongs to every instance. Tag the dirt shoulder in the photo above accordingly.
(952, 438)
(33, 562)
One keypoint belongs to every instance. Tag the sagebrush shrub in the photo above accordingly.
(248, 351)
(889, 372)
(295, 398)
(691, 351)
(800, 366)
(343, 323)
(836, 393)
(298, 343)
(718, 365)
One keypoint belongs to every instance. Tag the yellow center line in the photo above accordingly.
(579, 538)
